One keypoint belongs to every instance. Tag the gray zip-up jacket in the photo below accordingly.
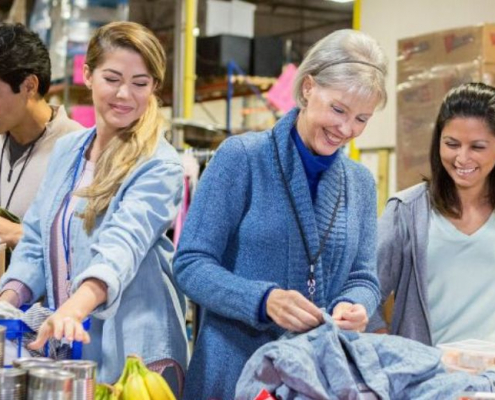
(402, 246)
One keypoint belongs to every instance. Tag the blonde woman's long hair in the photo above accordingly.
(132, 143)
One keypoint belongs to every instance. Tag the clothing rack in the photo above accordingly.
(199, 154)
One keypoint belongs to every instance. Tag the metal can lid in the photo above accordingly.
(19, 361)
(12, 372)
(28, 366)
(83, 369)
(51, 380)
(12, 376)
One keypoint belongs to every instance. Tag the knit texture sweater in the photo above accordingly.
(241, 238)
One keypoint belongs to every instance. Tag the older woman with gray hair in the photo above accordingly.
(283, 224)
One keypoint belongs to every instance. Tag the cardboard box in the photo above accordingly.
(230, 18)
(428, 66)
(416, 55)
(467, 44)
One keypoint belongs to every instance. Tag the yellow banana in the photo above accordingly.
(102, 391)
(116, 391)
(158, 387)
(135, 388)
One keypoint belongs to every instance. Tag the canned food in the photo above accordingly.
(85, 377)
(47, 384)
(13, 384)
(19, 361)
(3, 329)
(29, 365)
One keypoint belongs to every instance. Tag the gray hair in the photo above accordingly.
(346, 60)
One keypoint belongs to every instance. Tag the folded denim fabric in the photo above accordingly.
(327, 363)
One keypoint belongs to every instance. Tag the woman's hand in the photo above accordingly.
(351, 317)
(60, 325)
(10, 232)
(66, 322)
(292, 311)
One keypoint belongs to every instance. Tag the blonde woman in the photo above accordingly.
(94, 242)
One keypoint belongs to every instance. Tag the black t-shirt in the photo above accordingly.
(16, 150)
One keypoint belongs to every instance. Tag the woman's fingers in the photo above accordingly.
(350, 316)
(43, 335)
(60, 327)
(340, 309)
(291, 310)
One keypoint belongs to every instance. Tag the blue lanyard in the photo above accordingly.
(66, 232)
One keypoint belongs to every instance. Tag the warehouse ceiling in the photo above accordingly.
(301, 21)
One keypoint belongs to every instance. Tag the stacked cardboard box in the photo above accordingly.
(428, 66)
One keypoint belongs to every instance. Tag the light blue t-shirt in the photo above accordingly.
(461, 281)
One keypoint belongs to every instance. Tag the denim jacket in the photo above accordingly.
(127, 250)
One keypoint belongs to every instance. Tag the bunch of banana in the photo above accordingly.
(136, 383)
(105, 392)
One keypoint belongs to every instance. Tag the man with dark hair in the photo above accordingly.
(29, 126)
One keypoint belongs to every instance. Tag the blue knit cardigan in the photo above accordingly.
(241, 238)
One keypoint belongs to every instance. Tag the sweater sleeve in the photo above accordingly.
(361, 286)
(389, 260)
(212, 224)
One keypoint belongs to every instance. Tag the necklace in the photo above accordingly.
(312, 260)
(28, 157)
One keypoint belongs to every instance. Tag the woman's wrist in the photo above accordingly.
(10, 296)
(14, 235)
(87, 297)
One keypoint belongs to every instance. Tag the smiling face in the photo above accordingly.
(331, 118)
(467, 152)
(122, 87)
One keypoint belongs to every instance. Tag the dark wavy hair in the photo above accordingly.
(22, 53)
(470, 100)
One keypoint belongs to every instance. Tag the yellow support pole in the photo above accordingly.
(356, 15)
(189, 58)
(382, 185)
(354, 153)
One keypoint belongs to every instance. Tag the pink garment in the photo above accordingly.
(181, 217)
(23, 292)
(61, 286)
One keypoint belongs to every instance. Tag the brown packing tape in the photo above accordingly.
(417, 55)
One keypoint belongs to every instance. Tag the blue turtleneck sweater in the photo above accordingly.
(314, 165)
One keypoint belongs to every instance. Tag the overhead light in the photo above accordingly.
(341, 1)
